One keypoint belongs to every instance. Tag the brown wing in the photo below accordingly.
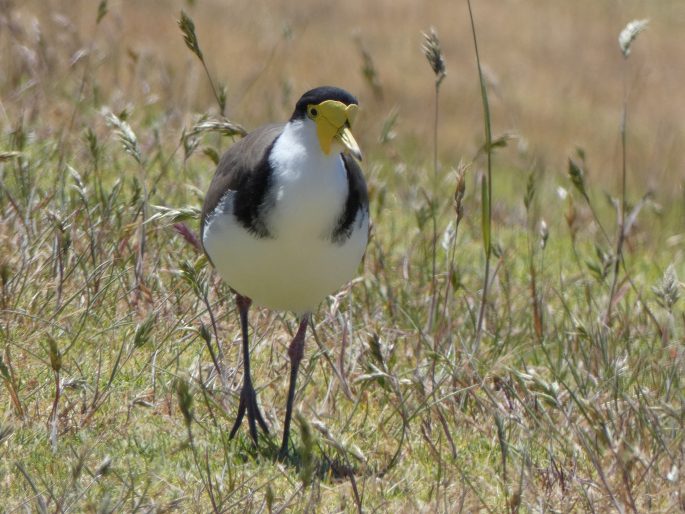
(244, 168)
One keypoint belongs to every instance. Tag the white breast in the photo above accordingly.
(310, 188)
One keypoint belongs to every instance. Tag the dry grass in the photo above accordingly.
(572, 401)
(554, 68)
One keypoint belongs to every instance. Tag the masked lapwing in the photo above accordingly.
(285, 222)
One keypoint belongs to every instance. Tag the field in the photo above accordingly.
(514, 340)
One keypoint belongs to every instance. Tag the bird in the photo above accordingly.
(285, 222)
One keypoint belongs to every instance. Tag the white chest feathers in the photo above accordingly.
(309, 189)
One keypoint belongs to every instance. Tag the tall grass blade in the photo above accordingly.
(625, 39)
(486, 185)
(433, 52)
(187, 26)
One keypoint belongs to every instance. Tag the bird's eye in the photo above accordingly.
(313, 112)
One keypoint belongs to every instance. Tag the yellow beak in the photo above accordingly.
(333, 121)
(345, 136)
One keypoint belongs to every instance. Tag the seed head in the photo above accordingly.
(544, 234)
(102, 11)
(55, 355)
(667, 292)
(629, 33)
(185, 400)
(222, 125)
(530, 191)
(104, 466)
(433, 52)
(460, 190)
(577, 176)
(187, 26)
(125, 134)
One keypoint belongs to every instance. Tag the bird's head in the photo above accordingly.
(333, 111)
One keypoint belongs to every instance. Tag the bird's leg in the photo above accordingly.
(248, 396)
(295, 352)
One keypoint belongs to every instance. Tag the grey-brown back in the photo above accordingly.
(244, 168)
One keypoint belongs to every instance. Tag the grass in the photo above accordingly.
(113, 326)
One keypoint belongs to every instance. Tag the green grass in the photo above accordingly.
(103, 315)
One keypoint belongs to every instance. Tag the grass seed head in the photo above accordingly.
(221, 125)
(190, 144)
(577, 176)
(460, 190)
(433, 52)
(667, 293)
(191, 275)
(204, 333)
(104, 467)
(376, 350)
(629, 33)
(221, 98)
(125, 134)
(102, 11)
(185, 400)
(144, 329)
(544, 234)
(8, 156)
(55, 355)
(530, 191)
(187, 26)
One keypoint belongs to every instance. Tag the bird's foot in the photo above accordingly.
(248, 404)
(283, 453)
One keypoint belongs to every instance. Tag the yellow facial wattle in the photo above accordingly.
(333, 121)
